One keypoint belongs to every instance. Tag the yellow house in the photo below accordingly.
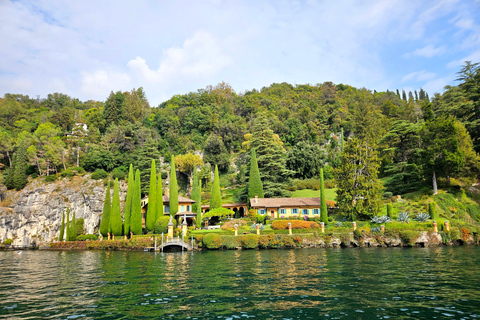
(288, 207)
(184, 208)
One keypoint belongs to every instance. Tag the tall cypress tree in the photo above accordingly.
(159, 197)
(68, 225)
(107, 207)
(323, 202)
(73, 228)
(152, 199)
(20, 170)
(128, 202)
(136, 218)
(216, 198)
(255, 186)
(115, 215)
(62, 228)
(197, 197)
(173, 199)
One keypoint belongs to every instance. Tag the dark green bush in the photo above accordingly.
(51, 178)
(67, 173)
(212, 241)
(79, 170)
(260, 218)
(161, 225)
(164, 175)
(119, 173)
(80, 226)
(99, 174)
(8, 242)
(387, 195)
(249, 241)
(84, 237)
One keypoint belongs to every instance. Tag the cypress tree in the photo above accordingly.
(216, 198)
(159, 213)
(389, 210)
(20, 170)
(152, 199)
(107, 207)
(323, 202)
(173, 199)
(68, 225)
(197, 197)
(128, 202)
(136, 218)
(62, 228)
(432, 210)
(115, 215)
(72, 230)
(255, 186)
(10, 174)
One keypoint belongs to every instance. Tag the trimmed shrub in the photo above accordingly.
(387, 195)
(230, 242)
(8, 242)
(161, 225)
(296, 224)
(230, 225)
(260, 218)
(389, 210)
(249, 241)
(99, 174)
(212, 241)
(432, 210)
(79, 224)
(84, 237)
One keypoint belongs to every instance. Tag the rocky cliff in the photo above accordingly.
(34, 214)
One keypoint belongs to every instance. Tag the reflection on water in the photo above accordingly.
(395, 283)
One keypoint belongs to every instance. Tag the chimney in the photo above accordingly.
(256, 199)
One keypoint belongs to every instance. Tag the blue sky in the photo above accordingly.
(88, 48)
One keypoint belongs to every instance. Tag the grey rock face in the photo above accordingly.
(34, 214)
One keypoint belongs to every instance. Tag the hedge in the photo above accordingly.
(296, 224)
(212, 241)
(161, 225)
(84, 237)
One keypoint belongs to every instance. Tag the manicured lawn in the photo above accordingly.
(330, 194)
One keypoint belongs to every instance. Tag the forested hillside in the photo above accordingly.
(295, 130)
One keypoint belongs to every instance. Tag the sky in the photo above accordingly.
(87, 49)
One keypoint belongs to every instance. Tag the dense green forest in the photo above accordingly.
(408, 139)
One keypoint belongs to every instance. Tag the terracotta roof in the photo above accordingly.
(285, 202)
(225, 205)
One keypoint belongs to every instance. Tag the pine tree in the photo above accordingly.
(68, 225)
(19, 174)
(404, 96)
(152, 199)
(197, 197)
(255, 186)
(323, 202)
(173, 199)
(128, 202)
(136, 218)
(115, 214)
(216, 198)
(159, 213)
(107, 207)
(62, 228)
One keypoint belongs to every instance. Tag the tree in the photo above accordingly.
(159, 213)
(20, 169)
(255, 186)
(107, 207)
(359, 190)
(128, 202)
(305, 159)
(197, 197)
(173, 199)
(114, 108)
(72, 230)
(323, 202)
(216, 197)
(136, 218)
(216, 153)
(152, 199)
(432, 210)
(389, 210)
(62, 228)
(68, 225)
(115, 214)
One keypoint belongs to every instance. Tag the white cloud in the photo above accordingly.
(427, 51)
(419, 76)
(99, 83)
(436, 85)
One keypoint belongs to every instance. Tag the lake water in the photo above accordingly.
(386, 283)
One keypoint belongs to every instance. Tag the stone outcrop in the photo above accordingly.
(34, 214)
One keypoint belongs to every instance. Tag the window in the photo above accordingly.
(305, 212)
(182, 208)
(167, 209)
(294, 211)
(261, 211)
(189, 208)
(315, 211)
(283, 211)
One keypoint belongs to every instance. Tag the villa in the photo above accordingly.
(184, 208)
(288, 207)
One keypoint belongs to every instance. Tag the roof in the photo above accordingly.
(185, 213)
(286, 202)
(226, 205)
(180, 199)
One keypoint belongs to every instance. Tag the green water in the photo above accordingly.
(416, 283)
